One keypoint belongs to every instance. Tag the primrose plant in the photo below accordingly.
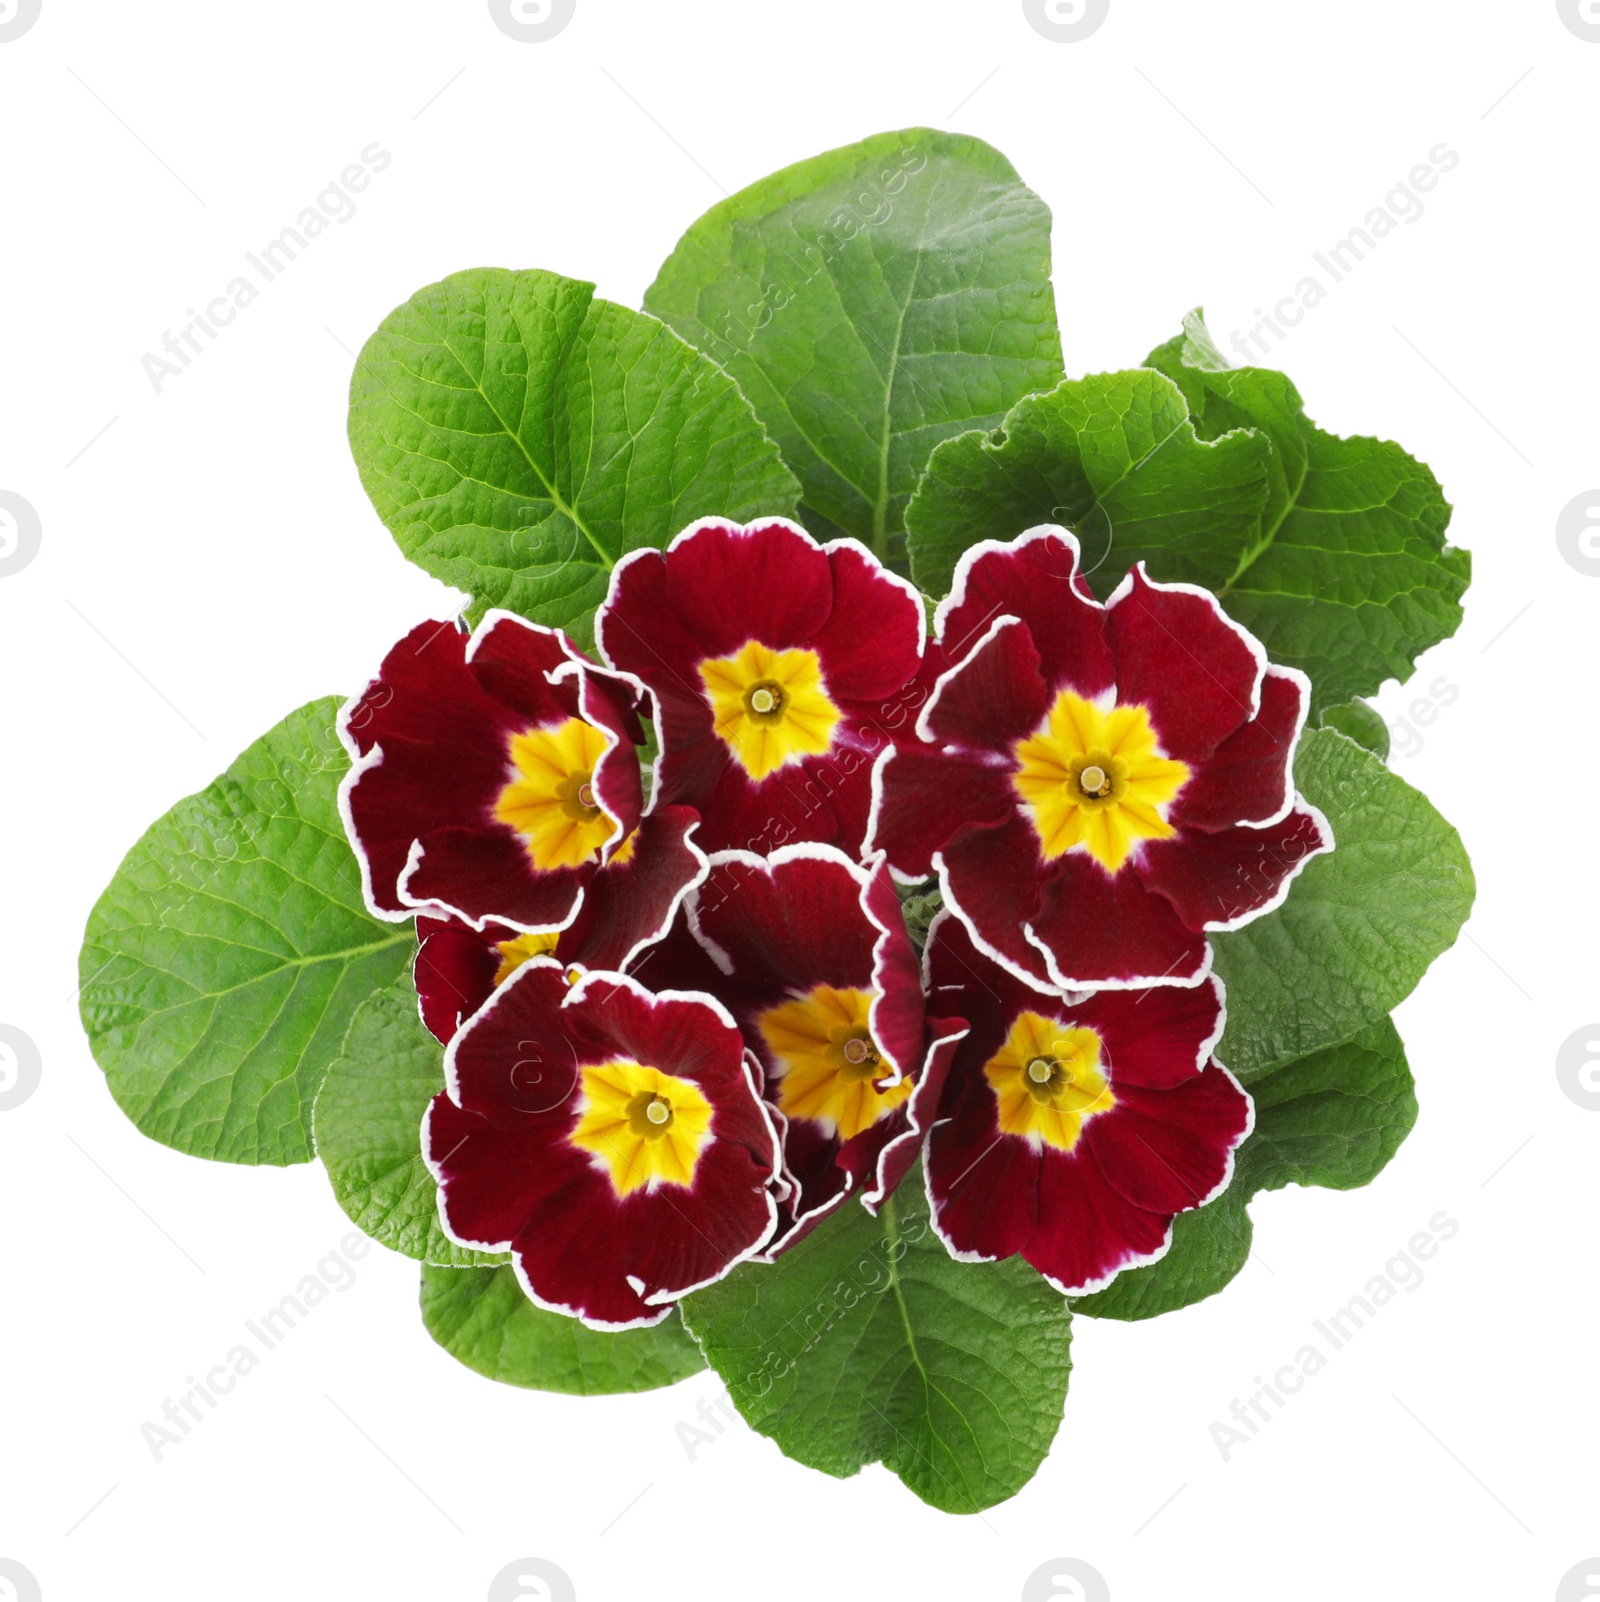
(893, 857)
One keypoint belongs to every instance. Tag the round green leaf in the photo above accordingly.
(483, 1319)
(222, 965)
(869, 1343)
(519, 436)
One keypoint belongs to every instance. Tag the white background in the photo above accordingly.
(210, 562)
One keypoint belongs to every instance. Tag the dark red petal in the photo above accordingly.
(431, 748)
(510, 659)
(1249, 779)
(579, 1250)
(454, 973)
(822, 798)
(789, 924)
(1087, 1229)
(630, 905)
(680, 962)
(871, 645)
(1156, 1038)
(992, 878)
(1180, 656)
(1109, 929)
(1169, 1150)
(1035, 578)
(492, 1177)
(983, 1185)
(638, 632)
(821, 1183)
(881, 1163)
(923, 798)
(897, 1013)
(606, 701)
(515, 1061)
(1221, 879)
(962, 982)
(769, 582)
(486, 873)
(994, 697)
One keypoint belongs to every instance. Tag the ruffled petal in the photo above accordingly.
(1155, 1039)
(631, 901)
(992, 880)
(1224, 878)
(1034, 578)
(983, 1185)
(993, 698)
(1178, 655)
(922, 798)
(1166, 1151)
(454, 972)
(1097, 928)
(1249, 779)
(1087, 1230)
(872, 641)
(769, 580)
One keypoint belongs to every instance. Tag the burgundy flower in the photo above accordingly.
(611, 1139)
(810, 953)
(1074, 1130)
(1095, 786)
(779, 669)
(629, 905)
(491, 777)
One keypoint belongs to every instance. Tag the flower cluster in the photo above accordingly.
(683, 1017)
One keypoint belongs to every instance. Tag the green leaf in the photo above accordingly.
(518, 436)
(368, 1126)
(1334, 1119)
(1359, 721)
(222, 965)
(1116, 459)
(483, 1319)
(869, 1343)
(1360, 926)
(872, 302)
(1350, 577)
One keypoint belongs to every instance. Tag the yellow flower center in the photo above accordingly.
(641, 1126)
(1096, 778)
(769, 707)
(513, 953)
(828, 1062)
(1047, 1081)
(551, 801)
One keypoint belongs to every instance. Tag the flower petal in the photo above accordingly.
(1097, 928)
(1224, 878)
(921, 797)
(1249, 778)
(993, 698)
(1034, 578)
(632, 899)
(1088, 1232)
(1178, 655)
(1155, 1039)
(1169, 1150)
(872, 641)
